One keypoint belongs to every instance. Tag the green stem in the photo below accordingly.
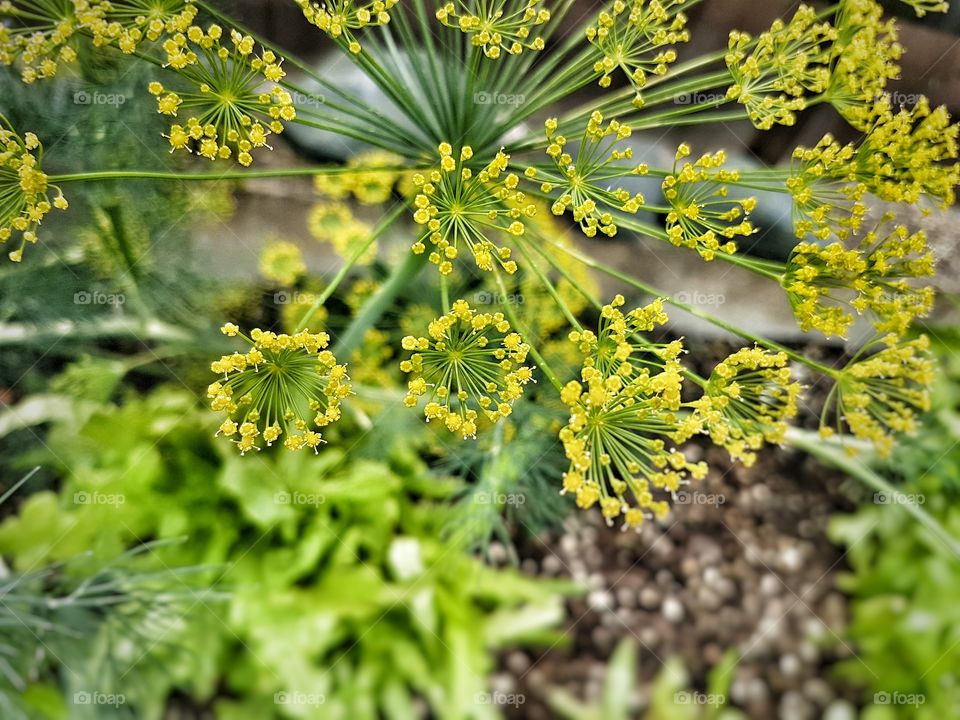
(512, 317)
(348, 265)
(832, 454)
(228, 175)
(402, 275)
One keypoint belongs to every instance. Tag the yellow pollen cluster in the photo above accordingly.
(701, 213)
(469, 363)
(23, 189)
(635, 36)
(37, 35)
(746, 402)
(340, 18)
(500, 26)
(873, 277)
(585, 183)
(282, 262)
(373, 181)
(621, 416)
(877, 396)
(458, 206)
(771, 76)
(827, 196)
(284, 384)
(335, 223)
(127, 23)
(235, 102)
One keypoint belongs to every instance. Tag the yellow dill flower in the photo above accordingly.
(865, 53)
(746, 402)
(127, 23)
(616, 441)
(922, 7)
(236, 103)
(340, 18)
(873, 277)
(880, 395)
(24, 189)
(634, 36)
(827, 195)
(283, 385)
(701, 214)
(282, 262)
(785, 63)
(38, 35)
(295, 304)
(334, 222)
(369, 184)
(499, 26)
(369, 363)
(585, 182)
(617, 348)
(909, 154)
(458, 206)
(469, 363)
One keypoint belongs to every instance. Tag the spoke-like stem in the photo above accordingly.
(98, 175)
(348, 265)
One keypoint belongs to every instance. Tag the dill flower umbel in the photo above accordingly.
(747, 400)
(827, 196)
(877, 396)
(500, 26)
(24, 188)
(282, 262)
(38, 34)
(872, 278)
(701, 214)
(127, 23)
(459, 207)
(772, 74)
(469, 363)
(585, 182)
(284, 384)
(333, 222)
(371, 184)
(635, 36)
(236, 104)
(617, 442)
(340, 18)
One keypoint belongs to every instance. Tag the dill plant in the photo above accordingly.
(497, 200)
